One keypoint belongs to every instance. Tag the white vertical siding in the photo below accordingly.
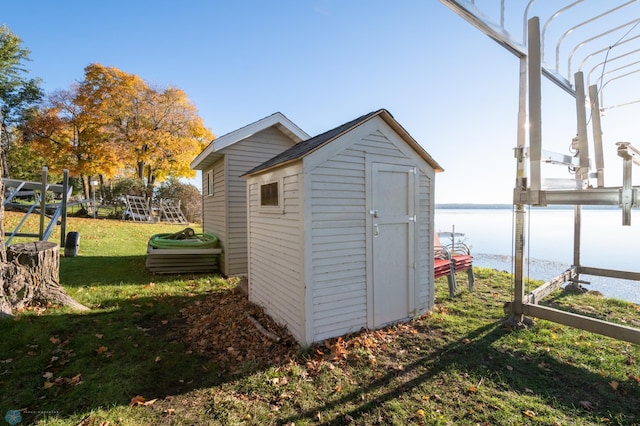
(309, 266)
(214, 206)
(277, 258)
(338, 230)
(240, 158)
(424, 256)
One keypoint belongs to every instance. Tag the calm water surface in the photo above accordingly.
(549, 243)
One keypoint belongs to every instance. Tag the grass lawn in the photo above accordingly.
(183, 349)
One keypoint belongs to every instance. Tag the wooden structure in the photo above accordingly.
(607, 30)
(181, 260)
(170, 212)
(138, 209)
(49, 201)
(29, 272)
(341, 230)
(222, 162)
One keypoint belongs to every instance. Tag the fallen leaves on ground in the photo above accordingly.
(140, 400)
(219, 328)
(364, 344)
(50, 382)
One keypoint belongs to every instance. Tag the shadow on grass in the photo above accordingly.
(107, 270)
(559, 384)
(69, 363)
(73, 363)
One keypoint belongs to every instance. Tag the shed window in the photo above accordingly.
(209, 183)
(269, 195)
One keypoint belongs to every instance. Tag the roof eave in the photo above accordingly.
(277, 119)
(388, 118)
(268, 169)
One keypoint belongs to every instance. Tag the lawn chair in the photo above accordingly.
(443, 266)
(461, 259)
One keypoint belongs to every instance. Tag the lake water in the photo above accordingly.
(549, 243)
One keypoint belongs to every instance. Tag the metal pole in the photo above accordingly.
(43, 202)
(583, 141)
(597, 134)
(535, 106)
(577, 229)
(521, 184)
(627, 195)
(534, 68)
(63, 221)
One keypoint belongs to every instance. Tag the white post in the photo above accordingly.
(535, 106)
(597, 134)
(583, 141)
(94, 184)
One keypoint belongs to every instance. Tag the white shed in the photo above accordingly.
(341, 230)
(222, 162)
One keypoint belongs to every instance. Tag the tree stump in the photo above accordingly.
(31, 275)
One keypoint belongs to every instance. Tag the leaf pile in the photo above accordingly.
(219, 327)
(364, 345)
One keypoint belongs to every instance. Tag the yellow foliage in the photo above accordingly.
(113, 122)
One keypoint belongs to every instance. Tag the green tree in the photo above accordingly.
(189, 196)
(25, 162)
(18, 93)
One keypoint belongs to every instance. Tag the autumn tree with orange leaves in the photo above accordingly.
(112, 124)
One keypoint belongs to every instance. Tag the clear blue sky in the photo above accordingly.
(319, 62)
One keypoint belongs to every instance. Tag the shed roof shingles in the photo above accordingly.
(303, 148)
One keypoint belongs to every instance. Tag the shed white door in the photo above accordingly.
(394, 223)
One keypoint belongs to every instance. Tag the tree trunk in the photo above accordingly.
(151, 179)
(86, 190)
(3, 253)
(140, 170)
(3, 152)
(29, 272)
(31, 276)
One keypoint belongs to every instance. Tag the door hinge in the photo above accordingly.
(412, 218)
(412, 170)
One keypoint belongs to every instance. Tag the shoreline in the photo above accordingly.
(538, 269)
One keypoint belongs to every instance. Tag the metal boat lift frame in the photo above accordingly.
(39, 206)
(530, 188)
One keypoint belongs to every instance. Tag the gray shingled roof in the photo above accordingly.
(301, 149)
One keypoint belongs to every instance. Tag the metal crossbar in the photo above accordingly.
(40, 191)
(576, 36)
(590, 32)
